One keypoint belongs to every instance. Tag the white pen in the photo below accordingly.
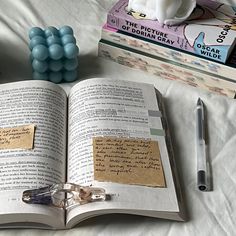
(201, 147)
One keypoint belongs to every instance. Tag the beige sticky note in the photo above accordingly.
(128, 161)
(20, 137)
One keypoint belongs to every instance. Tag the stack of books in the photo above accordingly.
(200, 52)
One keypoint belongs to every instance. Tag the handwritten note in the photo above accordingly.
(128, 161)
(20, 137)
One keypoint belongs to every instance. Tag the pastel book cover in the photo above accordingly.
(210, 31)
(219, 70)
(165, 69)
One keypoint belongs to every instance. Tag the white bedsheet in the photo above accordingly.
(210, 213)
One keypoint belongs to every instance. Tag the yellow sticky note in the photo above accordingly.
(128, 161)
(20, 137)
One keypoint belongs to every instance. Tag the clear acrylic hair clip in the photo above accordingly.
(64, 195)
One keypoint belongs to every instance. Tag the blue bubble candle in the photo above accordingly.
(54, 54)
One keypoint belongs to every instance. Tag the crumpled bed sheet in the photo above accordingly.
(209, 213)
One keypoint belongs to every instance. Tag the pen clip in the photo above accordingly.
(63, 195)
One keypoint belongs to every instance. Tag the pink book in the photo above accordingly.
(210, 31)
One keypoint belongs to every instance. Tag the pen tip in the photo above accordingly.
(199, 102)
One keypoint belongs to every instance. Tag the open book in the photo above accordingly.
(63, 149)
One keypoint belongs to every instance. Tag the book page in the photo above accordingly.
(112, 108)
(43, 105)
(99, 108)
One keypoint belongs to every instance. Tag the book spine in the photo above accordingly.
(191, 60)
(165, 70)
